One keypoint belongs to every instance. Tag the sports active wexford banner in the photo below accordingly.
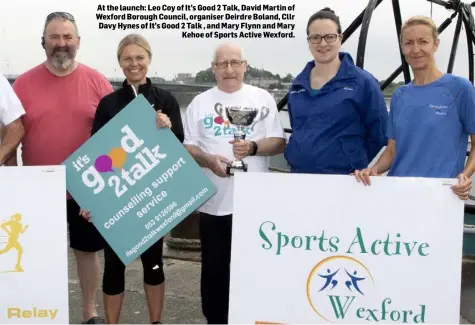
(138, 181)
(331, 250)
(33, 246)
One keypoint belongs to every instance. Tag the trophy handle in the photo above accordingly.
(263, 113)
(218, 108)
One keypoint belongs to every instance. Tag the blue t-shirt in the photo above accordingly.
(431, 125)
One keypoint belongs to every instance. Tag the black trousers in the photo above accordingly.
(215, 236)
(113, 280)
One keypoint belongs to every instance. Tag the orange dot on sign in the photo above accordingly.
(218, 120)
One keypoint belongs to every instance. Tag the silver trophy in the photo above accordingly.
(240, 117)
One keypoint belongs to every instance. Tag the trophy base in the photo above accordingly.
(237, 166)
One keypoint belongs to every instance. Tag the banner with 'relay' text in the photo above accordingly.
(138, 181)
(33, 246)
(332, 250)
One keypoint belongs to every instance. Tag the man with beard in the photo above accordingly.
(60, 97)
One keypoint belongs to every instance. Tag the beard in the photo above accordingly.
(63, 57)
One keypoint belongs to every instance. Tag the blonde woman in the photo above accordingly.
(430, 118)
(134, 55)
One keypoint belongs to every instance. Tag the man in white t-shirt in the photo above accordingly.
(11, 125)
(209, 137)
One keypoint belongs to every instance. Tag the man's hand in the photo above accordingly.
(162, 120)
(241, 148)
(217, 165)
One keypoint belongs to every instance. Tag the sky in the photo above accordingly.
(22, 26)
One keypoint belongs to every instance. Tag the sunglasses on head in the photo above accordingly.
(60, 14)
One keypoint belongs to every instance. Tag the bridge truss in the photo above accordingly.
(462, 12)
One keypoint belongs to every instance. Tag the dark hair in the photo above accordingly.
(325, 13)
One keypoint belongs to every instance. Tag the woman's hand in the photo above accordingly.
(86, 214)
(363, 175)
(162, 120)
(463, 187)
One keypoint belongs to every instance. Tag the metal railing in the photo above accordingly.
(463, 13)
(461, 10)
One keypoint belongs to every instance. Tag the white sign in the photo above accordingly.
(33, 245)
(323, 249)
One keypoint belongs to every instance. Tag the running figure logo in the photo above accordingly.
(352, 282)
(329, 280)
(14, 228)
(335, 283)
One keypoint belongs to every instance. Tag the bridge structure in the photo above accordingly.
(461, 11)
(170, 86)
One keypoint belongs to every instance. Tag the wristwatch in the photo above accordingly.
(254, 149)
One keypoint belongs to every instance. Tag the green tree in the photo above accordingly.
(288, 78)
(205, 76)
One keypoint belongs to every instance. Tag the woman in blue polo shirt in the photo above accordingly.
(430, 119)
(337, 111)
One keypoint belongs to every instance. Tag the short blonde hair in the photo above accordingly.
(134, 39)
(421, 20)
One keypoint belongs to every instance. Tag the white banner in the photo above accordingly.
(323, 249)
(33, 245)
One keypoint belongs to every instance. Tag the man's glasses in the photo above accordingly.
(224, 64)
(61, 15)
(317, 39)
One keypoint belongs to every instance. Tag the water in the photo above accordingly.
(278, 161)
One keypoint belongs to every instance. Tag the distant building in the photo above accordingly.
(157, 80)
(184, 78)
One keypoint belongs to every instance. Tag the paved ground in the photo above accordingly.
(182, 306)
(467, 305)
